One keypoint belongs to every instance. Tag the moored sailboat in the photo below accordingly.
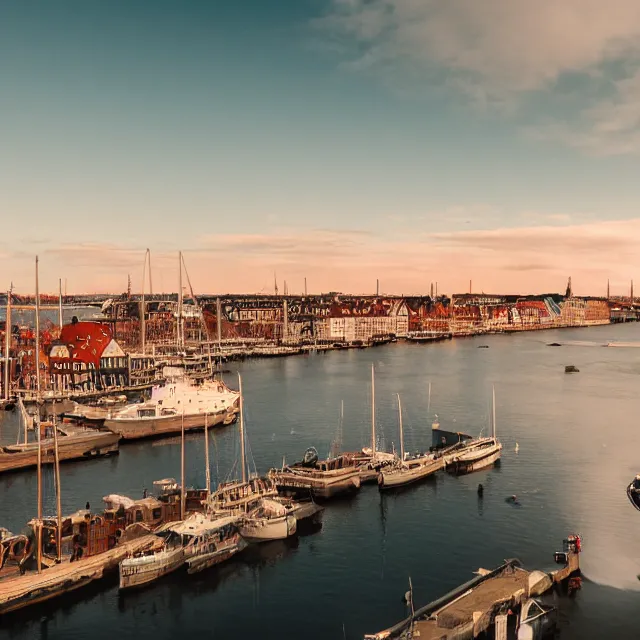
(263, 517)
(477, 454)
(408, 470)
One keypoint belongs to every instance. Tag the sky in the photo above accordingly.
(410, 141)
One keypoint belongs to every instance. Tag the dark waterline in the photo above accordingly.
(579, 446)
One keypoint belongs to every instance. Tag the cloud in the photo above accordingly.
(530, 259)
(609, 127)
(498, 52)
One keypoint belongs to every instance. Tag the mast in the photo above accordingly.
(150, 281)
(180, 327)
(58, 495)
(401, 431)
(242, 453)
(37, 336)
(182, 494)
(373, 413)
(60, 303)
(143, 329)
(206, 455)
(494, 411)
(7, 346)
(39, 481)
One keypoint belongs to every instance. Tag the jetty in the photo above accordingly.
(19, 591)
(487, 601)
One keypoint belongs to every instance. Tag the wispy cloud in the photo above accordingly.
(497, 52)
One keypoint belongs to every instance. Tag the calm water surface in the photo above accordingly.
(579, 446)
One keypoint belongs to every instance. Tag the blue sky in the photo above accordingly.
(342, 140)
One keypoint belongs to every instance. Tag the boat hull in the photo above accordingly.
(320, 488)
(265, 529)
(133, 429)
(208, 560)
(394, 479)
(72, 447)
(462, 467)
(138, 572)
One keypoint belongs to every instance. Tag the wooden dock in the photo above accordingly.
(17, 592)
(474, 607)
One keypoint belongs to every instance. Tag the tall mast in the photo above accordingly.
(58, 495)
(60, 303)
(242, 453)
(373, 413)
(150, 281)
(206, 456)
(182, 492)
(7, 345)
(37, 335)
(143, 329)
(494, 411)
(39, 481)
(401, 432)
(180, 327)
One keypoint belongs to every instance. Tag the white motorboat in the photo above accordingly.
(173, 404)
(199, 542)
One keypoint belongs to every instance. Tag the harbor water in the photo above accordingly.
(578, 448)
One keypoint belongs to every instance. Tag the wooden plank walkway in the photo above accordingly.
(19, 591)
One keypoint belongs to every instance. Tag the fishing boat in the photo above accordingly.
(633, 492)
(74, 443)
(169, 405)
(320, 478)
(408, 469)
(198, 542)
(477, 454)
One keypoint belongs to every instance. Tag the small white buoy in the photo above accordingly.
(517, 447)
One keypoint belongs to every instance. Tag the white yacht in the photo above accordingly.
(172, 404)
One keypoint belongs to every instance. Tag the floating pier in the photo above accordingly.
(486, 601)
(20, 591)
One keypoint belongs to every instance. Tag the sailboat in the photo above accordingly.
(408, 469)
(476, 454)
(198, 541)
(255, 499)
(370, 459)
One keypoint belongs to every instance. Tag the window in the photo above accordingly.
(139, 515)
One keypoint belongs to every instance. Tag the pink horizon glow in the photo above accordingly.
(533, 260)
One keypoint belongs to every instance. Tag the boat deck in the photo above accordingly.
(483, 598)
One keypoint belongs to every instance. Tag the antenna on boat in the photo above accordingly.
(373, 412)
(182, 494)
(401, 431)
(206, 455)
(242, 453)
